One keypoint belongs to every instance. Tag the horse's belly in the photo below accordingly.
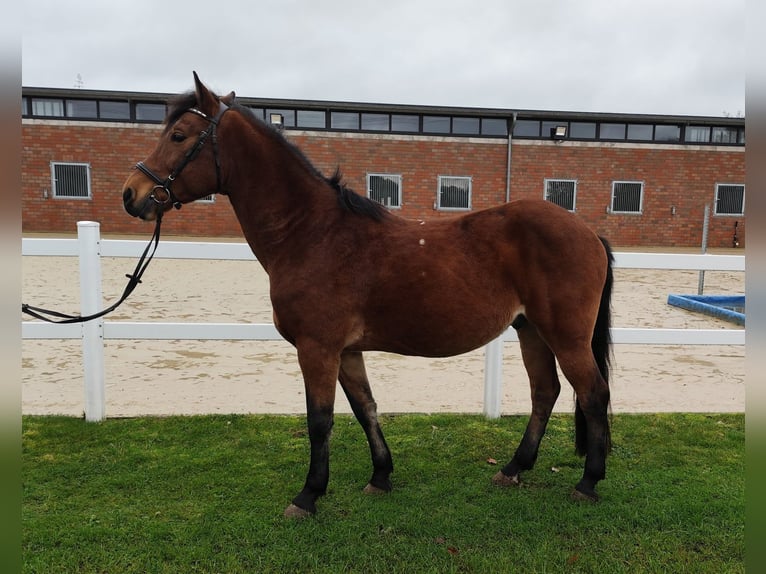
(434, 336)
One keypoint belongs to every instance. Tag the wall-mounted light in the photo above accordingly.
(277, 120)
(559, 133)
(672, 210)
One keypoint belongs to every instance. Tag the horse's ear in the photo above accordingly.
(205, 99)
(197, 83)
(228, 99)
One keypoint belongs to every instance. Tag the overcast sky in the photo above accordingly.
(682, 57)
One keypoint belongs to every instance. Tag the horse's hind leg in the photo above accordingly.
(545, 387)
(591, 416)
(353, 379)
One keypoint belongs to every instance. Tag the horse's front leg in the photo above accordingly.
(353, 379)
(320, 373)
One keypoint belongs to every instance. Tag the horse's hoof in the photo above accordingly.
(501, 479)
(293, 511)
(371, 489)
(584, 496)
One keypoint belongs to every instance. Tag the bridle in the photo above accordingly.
(163, 185)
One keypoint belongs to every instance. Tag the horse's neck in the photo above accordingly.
(281, 205)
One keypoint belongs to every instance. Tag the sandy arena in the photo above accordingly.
(193, 377)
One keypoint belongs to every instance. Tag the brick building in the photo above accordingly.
(639, 180)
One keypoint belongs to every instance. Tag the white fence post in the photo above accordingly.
(89, 245)
(493, 378)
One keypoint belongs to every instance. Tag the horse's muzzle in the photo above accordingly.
(145, 209)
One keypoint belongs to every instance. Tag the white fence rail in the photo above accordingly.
(89, 247)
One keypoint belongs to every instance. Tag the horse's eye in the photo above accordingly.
(177, 137)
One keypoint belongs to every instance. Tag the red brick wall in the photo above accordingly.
(683, 177)
(673, 176)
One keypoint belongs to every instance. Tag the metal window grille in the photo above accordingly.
(729, 199)
(627, 196)
(454, 192)
(70, 180)
(561, 192)
(385, 189)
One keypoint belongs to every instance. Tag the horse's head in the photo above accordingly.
(185, 164)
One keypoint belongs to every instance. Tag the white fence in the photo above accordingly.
(90, 248)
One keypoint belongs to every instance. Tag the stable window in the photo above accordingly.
(146, 112)
(47, 107)
(344, 120)
(612, 131)
(465, 126)
(582, 130)
(109, 110)
(640, 132)
(494, 127)
(311, 119)
(627, 196)
(729, 199)
(697, 134)
(436, 124)
(385, 188)
(81, 108)
(375, 122)
(724, 135)
(664, 133)
(526, 128)
(404, 123)
(562, 192)
(70, 180)
(454, 193)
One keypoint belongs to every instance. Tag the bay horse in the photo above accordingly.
(348, 276)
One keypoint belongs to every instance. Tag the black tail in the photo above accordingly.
(602, 338)
(601, 343)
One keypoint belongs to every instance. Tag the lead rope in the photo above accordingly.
(133, 280)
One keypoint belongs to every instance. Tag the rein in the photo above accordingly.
(133, 280)
(164, 184)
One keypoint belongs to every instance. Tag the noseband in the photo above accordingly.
(164, 184)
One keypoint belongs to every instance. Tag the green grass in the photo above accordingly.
(206, 494)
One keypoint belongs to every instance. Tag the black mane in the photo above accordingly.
(352, 201)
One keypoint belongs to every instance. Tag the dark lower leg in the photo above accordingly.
(545, 387)
(594, 414)
(320, 373)
(320, 422)
(591, 420)
(353, 379)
